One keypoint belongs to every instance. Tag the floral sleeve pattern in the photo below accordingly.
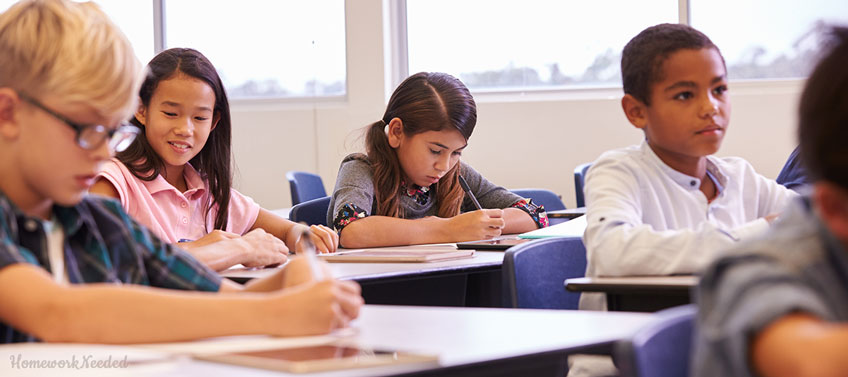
(347, 214)
(536, 212)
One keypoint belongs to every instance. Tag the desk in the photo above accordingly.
(475, 282)
(465, 282)
(638, 293)
(469, 342)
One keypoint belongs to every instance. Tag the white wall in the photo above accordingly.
(531, 140)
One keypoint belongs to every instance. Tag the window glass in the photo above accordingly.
(261, 48)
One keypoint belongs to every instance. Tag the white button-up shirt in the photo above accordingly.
(645, 218)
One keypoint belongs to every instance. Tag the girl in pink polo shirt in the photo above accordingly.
(175, 178)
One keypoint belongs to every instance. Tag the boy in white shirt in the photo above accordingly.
(668, 206)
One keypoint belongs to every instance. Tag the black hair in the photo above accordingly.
(643, 57)
(213, 162)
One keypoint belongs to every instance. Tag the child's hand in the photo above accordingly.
(213, 237)
(262, 249)
(477, 225)
(324, 239)
(316, 308)
(298, 271)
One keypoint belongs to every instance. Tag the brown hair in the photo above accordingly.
(425, 101)
(823, 114)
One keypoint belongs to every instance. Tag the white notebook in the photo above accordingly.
(572, 228)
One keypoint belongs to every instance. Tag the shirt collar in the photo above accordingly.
(419, 193)
(192, 177)
(71, 218)
(686, 181)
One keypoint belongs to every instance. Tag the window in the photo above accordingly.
(265, 48)
(135, 18)
(767, 38)
(517, 45)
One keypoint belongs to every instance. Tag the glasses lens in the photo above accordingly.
(123, 137)
(92, 136)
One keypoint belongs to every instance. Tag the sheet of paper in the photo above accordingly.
(573, 228)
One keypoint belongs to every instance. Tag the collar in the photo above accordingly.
(192, 177)
(72, 219)
(688, 182)
(420, 194)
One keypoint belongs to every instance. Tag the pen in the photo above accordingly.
(468, 192)
(310, 254)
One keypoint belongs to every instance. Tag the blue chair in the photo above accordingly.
(305, 186)
(533, 273)
(548, 198)
(311, 212)
(661, 349)
(579, 181)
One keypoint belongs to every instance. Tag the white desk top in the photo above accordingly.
(631, 284)
(458, 335)
(358, 271)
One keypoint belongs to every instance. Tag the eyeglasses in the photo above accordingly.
(92, 136)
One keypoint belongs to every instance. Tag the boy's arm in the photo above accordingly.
(800, 345)
(620, 244)
(109, 313)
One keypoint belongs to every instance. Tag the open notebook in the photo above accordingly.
(397, 255)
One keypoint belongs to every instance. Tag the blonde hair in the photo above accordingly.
(70, 50)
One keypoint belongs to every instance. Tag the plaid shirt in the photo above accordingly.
(102, 245)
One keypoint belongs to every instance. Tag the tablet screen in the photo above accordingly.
(497, 243)
(322, 352)
(318, 358)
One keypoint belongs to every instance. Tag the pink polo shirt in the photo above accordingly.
(173, 215)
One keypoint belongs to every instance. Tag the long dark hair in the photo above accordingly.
(213, 161)
(425, 101)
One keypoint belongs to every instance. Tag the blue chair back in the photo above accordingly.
(305, 186)
(548, 198)
(534, 272)
(311, 212)
(661, 349)
(579, 181)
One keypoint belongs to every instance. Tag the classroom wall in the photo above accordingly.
(521, 140)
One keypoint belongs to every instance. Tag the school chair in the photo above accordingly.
(311, 212)
(547, 198)
(305, 186)
(533, 273)
(579, 180)
(660, 349)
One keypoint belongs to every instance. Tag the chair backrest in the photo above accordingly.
(312, 212)
(305, 186)
(548, 198)
(579, 180)
(660, 349)
(534, 272)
